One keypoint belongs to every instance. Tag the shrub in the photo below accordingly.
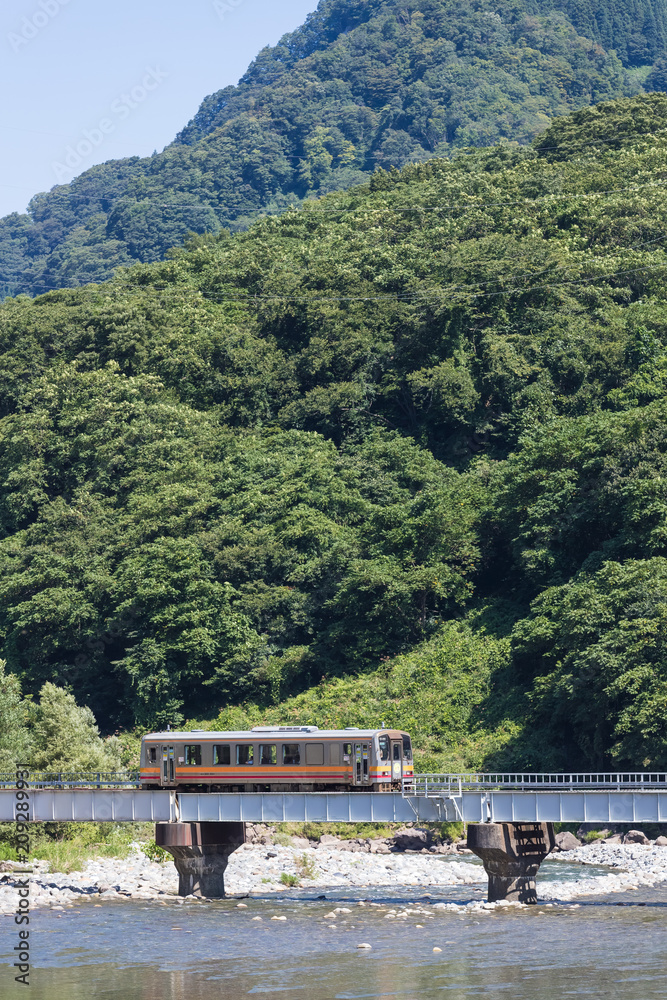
(306, 867)
(155, 853)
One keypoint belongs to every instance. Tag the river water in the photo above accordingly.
(613, 947)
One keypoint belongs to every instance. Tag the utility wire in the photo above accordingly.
(312, 204)
(17, 276)
(465, 291)
(138, 286)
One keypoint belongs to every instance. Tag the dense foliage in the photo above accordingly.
(399, 454)
(362, 84)
(450, 693)
(50, 734)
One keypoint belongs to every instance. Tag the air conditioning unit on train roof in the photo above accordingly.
(284, 729)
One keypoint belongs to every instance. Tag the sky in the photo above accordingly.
(87, 81)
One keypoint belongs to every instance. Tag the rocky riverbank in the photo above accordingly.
(252, 868)
(332, 865)
(634, 866)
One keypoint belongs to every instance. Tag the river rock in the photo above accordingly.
(636, 837)
(566, 841)
(356, 846)
(636, 866)
(661, 842)
(258, 833)
(328, 838)
(379, 847)
(301, 843)
(411, 839)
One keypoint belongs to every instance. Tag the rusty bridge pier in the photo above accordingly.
(512, 854)
(201, 854)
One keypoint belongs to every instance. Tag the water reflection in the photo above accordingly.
(355, 980)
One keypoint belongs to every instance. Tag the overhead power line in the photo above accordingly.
(312, 205)
(138, 286)
(467, 291)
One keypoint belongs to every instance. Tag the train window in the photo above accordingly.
(407, 748)
(193, 755)
(291, 753)
(347, 752)
(334, 753)
(384, 747)
(221, 754)
(315, 753)
(244, 753)
(397, 751)
(268, 753)
(151, 755)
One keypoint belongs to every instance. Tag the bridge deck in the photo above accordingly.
(474, 806)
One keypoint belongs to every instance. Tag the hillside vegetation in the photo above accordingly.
(362, 84)
(398, 456)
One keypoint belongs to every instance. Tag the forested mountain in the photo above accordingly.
(364, 83)
(422, 419)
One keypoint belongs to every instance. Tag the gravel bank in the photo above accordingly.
(638, 866)
(256, 868)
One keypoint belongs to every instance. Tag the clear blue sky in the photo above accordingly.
(69, 65)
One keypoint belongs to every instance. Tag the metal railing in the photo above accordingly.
(452, 785)
(429, 785)
(68, 779)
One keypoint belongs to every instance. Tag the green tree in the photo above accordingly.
(65, 736)
(301, 451)
(15, 740)
(597, 648)
(357, 86)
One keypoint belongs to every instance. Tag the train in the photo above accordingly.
(277, 759)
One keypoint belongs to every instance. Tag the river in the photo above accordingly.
(611, 946)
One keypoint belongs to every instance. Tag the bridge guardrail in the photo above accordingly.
(70, 779)
(428, 785)
(453, 785)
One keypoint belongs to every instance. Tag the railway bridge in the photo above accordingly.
(511, 815)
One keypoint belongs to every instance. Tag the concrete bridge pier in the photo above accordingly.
(201, 854)
(512, 854)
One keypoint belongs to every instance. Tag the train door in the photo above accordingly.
(168, 773)
(362, 754)
(396, 760)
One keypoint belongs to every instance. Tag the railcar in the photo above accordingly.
(277, 759)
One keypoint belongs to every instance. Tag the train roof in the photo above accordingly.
(300, 732)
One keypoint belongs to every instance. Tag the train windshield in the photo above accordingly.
(384, 747)
(407, 748)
